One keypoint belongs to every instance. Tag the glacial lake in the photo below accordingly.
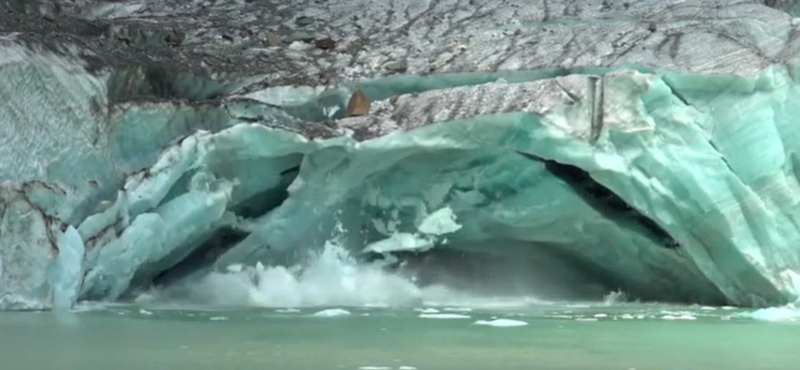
(593, 336)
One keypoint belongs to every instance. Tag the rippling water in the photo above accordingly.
(520, 336)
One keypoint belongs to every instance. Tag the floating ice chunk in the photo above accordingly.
(332, 312)
(287, 310)
(586, 319)
(440, 222)
(501, 323)
(145, 312)
(427, 310)
(374, 368)
(406, 368)
(443, 316)
(218, 318)
(600, 315)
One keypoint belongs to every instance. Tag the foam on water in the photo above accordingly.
(427, 310)
(443, 316)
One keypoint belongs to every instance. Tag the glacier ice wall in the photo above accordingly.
(647, 146)
(660, 148)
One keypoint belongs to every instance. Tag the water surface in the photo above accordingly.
(553, 337)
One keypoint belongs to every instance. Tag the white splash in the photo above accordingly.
(332, 278)
(785, 313)
(613, 298)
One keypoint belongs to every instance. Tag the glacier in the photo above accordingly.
(648, 147)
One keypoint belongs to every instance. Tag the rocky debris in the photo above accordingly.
(299, 36)
(396, 67)
(303, 21)
(274, 40)
(325, 44)
(358, 105)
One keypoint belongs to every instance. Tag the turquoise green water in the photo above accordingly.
(622, 337)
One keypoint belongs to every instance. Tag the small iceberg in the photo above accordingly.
(501, 323)
(332, 312)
